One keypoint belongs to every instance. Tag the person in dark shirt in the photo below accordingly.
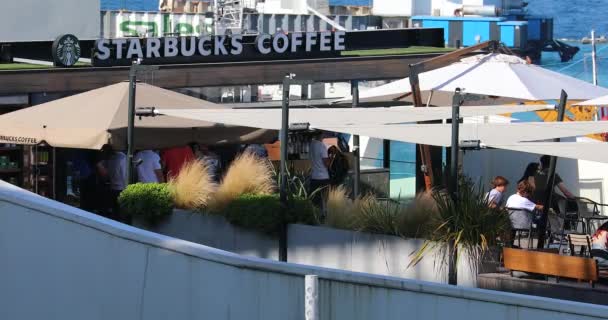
(541, 179)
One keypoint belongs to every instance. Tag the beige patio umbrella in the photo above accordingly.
(97, 117)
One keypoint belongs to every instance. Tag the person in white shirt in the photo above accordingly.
(148, 167)
(496, 197)
(319, 176)
(523, 218)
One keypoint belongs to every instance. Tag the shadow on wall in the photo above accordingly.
(486, 164)
(314, 245)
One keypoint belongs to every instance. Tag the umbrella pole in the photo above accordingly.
(457, 101)
(131, 124)
(283, 179)
(551, 179)
(425, 150)
(357, 170)
(428, 65)
(284, 136)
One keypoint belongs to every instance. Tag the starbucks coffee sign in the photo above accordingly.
(216, 48)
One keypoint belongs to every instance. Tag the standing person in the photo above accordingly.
(319, 177)
(529, 173)
(148, 168)
(338, 166)
(173, 159)
(84, 164)
(113, 170)
(208, 157)
(541, 179)
(258, 149)
(496, 196)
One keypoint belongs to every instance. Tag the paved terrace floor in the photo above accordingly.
(564, 289)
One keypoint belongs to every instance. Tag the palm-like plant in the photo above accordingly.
(468, 224)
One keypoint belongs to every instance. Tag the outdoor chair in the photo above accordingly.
(569, 210)
(558, 234)
(589, 212)
(522, 223)
(580, 240)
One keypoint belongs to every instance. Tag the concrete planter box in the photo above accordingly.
(214, 231)
(378, 254)
(320, 246)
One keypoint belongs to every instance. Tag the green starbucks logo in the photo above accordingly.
(66, 50)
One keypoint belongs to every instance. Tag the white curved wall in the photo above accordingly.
(57, 262)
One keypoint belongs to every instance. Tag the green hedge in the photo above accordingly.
(150, 201)
(264, 213)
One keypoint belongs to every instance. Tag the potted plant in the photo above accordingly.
(468, 225)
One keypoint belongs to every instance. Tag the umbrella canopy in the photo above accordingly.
(490, 134)
(327, 117)
(601, 101)
(97, 117)
(494, 74)
(592, 151)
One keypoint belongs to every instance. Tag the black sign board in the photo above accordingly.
(280, 46)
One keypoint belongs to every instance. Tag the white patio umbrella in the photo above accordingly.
(496, 75)
(601, 101)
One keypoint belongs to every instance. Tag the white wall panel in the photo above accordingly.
(62, 263)
(36, 20)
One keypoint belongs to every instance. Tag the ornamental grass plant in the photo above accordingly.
(248, 174)
(193, 187)
(340, 209)
(366, 213)
(417, 218)
(376, 216)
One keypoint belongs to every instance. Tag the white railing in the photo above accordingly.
(58, 262)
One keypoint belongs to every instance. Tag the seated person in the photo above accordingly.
(522, 219)
(599, 245)
(496, 197)
(338, 166)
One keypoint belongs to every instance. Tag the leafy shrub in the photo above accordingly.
(263, 212)
(150, 201)
(193, 186)
(248, 174)
(255, 211)
(301, 210)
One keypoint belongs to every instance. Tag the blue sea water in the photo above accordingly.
(573, 19)
(132, 5)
